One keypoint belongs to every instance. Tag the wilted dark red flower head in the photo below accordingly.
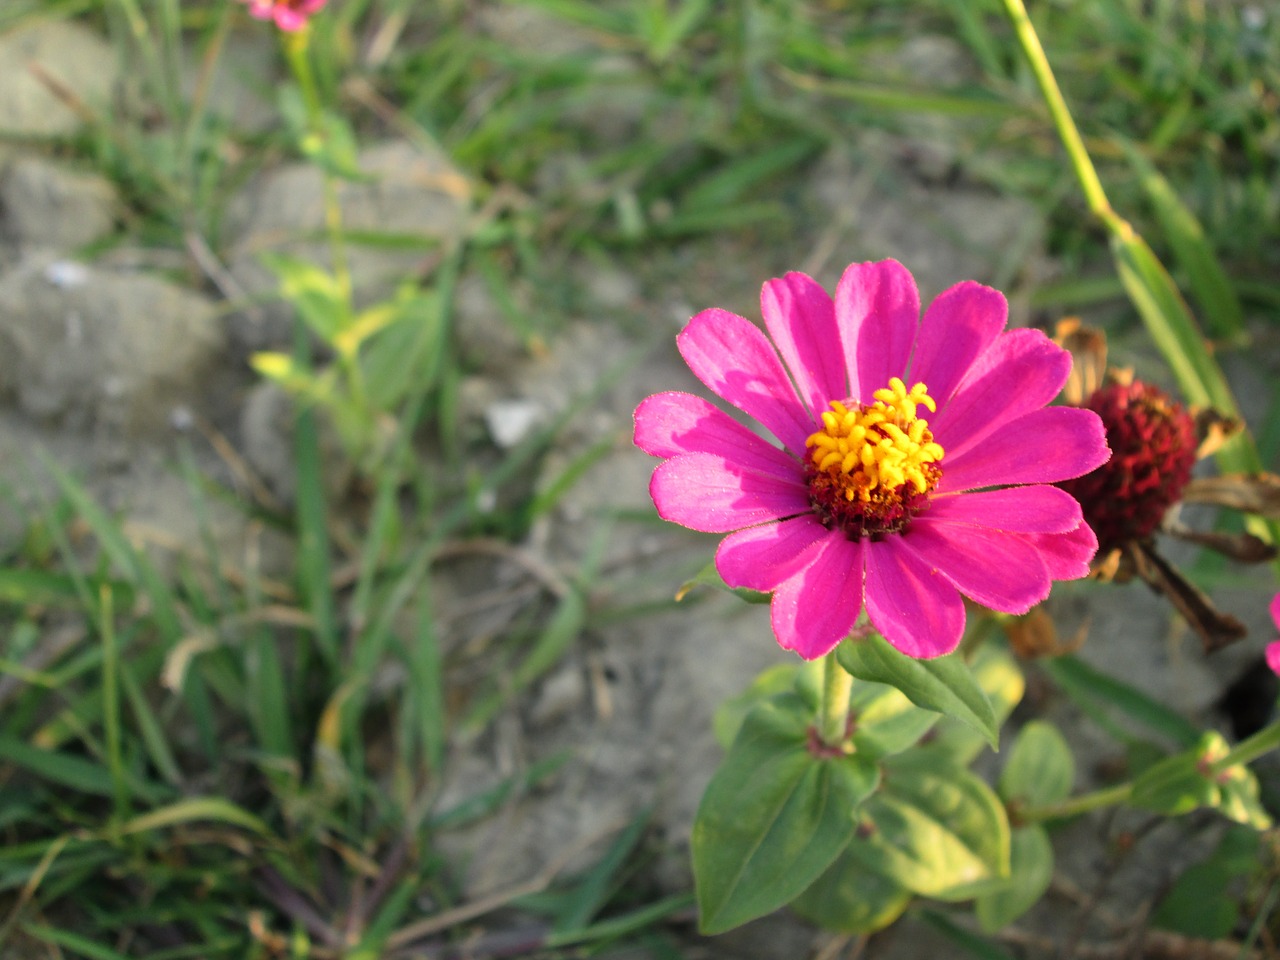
(1153, 449)
(1155, 443)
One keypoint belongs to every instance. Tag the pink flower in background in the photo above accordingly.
(289, 15)
(1273, 648)
(915, 462)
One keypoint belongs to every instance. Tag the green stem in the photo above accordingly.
(837, 688)
(1094, 195)
(296, 46)
(1109, 797)
(1246, 751)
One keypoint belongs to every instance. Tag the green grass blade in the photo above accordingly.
(192, 809)
(313, 536)
(149, 727)
(72, 941)
(593, 891)
(1212, 289)
(1093, 689)
(58, 768)
(111, 702)
(132, 563)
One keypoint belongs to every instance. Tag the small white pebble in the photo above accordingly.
(510, 421)
(181, 418)
(66, 274)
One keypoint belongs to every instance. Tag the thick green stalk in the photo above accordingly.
(837, 688)
(1250, 749)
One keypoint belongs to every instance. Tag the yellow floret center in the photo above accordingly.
(877, 454)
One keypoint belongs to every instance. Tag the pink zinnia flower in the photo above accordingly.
(1273, 648)
(289, 15)
(869, 503)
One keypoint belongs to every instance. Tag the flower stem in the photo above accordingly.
(1072, 806)
(837, 688)
(1248, 750)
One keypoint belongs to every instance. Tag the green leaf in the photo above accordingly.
(406, 355)
(1040, 769)
(708, 576)
(885, 722)
(938, 831)
(313, 292)
(944, 684)
(1186, 781)
(776, 680)
(774, 816)
(849, 898)
(1173, 786)
(1030, 872)
(1000, 678)
(1205, 902)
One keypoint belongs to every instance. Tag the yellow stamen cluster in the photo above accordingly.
(883, 450)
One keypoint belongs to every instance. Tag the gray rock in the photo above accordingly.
(108, 349)
(45, 204)
(411, 194)
(267, 442)
(71, 55)
(486, 341)
(942, 234)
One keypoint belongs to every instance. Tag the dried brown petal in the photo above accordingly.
(1113, 566)
(1213, 429)
(1088, 349)
(1034, 635)
(1250, 492)
(1215, 629)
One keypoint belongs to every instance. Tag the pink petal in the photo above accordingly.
(760, 558)
(801, 320)
(1275, 611)
(310, 6)
(998, 570)
(878, 310)
(957, 328)
(1034, 509)
(917, 610)
(704, 492)
(1020, 372)
(1273, 656)
(736, 361)
(290, 21)
(1066, 556)
(1045, 446)
(669, 424)
(816, 608)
